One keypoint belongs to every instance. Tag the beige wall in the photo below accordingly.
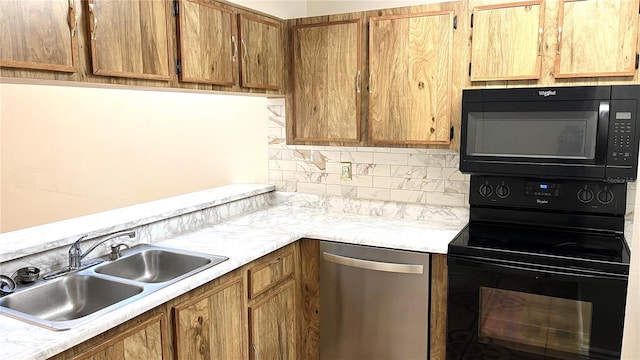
(70, 151)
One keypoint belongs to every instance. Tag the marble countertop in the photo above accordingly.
(242, 239)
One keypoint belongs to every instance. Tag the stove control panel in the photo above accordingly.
(568, 195)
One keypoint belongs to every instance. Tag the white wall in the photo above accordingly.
(284, 9)
(70, 151)
(292, 9)
(326, 7)
(630, 343)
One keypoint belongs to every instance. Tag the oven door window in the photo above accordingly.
(533, 134)
(537, 324)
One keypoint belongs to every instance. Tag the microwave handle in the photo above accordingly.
(603, 131)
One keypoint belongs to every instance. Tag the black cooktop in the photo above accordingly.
(588, 250)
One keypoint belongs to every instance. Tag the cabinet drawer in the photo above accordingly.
(266, 275)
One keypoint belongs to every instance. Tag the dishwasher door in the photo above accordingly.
(374, 303)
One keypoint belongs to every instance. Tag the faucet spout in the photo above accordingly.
(76, 255)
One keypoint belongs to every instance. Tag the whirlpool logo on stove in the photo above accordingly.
(547, 93)
(542, 202)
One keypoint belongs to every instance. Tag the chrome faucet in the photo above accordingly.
(76, 255)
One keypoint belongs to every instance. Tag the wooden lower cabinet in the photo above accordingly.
(130, 341)
(272, 325)
(210, 326)
(438, 326)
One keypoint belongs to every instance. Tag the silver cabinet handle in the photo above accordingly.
(373, 265)
(73, 18)
(244, 51)
(358, 82)
(540, 31)
(255, 351)
(92, 10)
(235, 48)
(559, 39)
(369, 86)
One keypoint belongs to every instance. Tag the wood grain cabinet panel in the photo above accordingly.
(272, 333)
(507, 41)
(39, 34)
(596, 38)
(265, 276)
(207, 42)
(327, 81)
(130, 38)
(410, 62)
(143, 341)
(261, 53)
(210, 326)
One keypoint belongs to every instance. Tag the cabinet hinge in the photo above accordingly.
(176, 8)
(637, 60)
(178, 67)
(469, 69)
(455, 22)
(451, 133)
(471, 20)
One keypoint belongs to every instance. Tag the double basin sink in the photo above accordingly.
(81, 296)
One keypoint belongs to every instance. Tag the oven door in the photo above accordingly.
(541, 138)
(507, 310)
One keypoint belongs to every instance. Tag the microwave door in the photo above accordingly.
(525, 138)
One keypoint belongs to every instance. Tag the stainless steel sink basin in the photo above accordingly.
(59, 302)
(80, 296)
(150, 264)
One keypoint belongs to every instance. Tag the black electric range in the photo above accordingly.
(540, 271)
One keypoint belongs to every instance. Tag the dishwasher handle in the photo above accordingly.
(373, 265)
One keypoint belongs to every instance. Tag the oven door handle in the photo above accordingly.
(532, 270)
(373, 265)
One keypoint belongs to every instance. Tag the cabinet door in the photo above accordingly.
(210, 326)
(130, 38)
(271, 326)
(410, 78)
(208, 43)
(143, 341)
(39, 34)
(507, 41)
(326, 81)
(261, 53)
(596, 38)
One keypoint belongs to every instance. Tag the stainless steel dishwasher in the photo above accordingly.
(374, 303)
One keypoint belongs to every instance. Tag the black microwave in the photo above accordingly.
(587, 132)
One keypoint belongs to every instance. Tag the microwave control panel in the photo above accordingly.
(623, 146)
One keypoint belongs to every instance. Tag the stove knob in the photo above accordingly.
(585, 195)
(605, 196)
(485, 190)
(502, 191)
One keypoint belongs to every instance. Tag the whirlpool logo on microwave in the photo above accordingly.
(547, 93)
(542, 202)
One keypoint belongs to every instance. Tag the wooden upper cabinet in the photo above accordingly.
(507, 41)
(261, 53)
(39, 34)
(130, 38)
(327, 81)
(410, 62)
(208, 43)
(596, 38)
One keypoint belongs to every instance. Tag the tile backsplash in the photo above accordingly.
(422, 176)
